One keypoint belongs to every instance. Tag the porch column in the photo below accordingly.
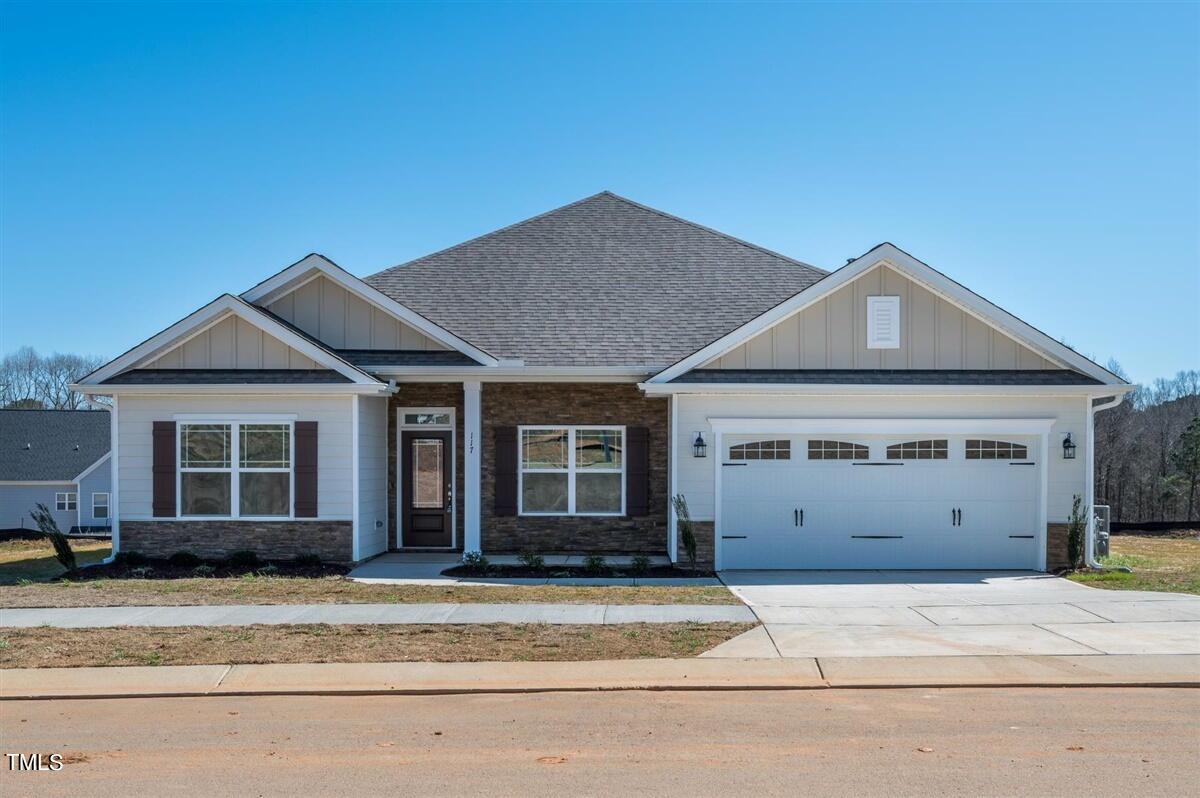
(471, 468)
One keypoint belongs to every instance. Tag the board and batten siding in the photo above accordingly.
(832, 334)
(233, 343)
(372, 476)
(137, 414)
(342, 320)
(694, 476)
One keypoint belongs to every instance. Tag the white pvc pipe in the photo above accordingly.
(1089, 490)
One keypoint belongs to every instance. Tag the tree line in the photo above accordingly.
(29, 381)
(1148, 451)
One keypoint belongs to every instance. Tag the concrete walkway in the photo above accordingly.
(240, 615)
(953, 613)
(417, 568)
(423, 678)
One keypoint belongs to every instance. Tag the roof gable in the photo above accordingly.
(51, 445)
(927, 280)
(600, 282)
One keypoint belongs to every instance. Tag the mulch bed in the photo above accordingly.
(142, 568)
(574, 572)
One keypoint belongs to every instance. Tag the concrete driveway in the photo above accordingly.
(940, 613)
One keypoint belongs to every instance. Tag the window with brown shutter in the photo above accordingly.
(163, 469)
(306, 469)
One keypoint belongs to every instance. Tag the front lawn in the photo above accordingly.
(44, 647)
(1160, 563)
(22, 585)
(33, 560)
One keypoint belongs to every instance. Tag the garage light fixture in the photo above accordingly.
(1068, 448)
(699, 447)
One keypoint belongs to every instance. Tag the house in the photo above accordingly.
(58, 458)
(549, 386)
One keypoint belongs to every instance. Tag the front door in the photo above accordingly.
(426, 489)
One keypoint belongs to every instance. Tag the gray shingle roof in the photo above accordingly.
(371, 358)
(886, 377)
(226, 377)
(62, 443)
(601, 282)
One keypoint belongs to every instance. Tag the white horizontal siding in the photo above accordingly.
(372, 476)
(18, 501)
(135, 423)
(694, 476)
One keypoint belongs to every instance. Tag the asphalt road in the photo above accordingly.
(1026, 742)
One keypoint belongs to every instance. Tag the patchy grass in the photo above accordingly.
(44, 647)
(334, 590)
(33, 560)
(1168, 564)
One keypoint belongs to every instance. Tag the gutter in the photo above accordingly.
(1089, 540)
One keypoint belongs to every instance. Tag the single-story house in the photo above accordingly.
(58, 458)
(551, 385)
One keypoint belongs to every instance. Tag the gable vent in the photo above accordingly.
(883, 322)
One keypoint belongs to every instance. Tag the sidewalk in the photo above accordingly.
(424, 678)
(245, 614)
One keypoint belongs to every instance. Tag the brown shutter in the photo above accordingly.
(637, 471)
(506, 471)
(163, 469)
(306, 469)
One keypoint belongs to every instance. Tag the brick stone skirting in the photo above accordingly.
(1056, 546)
(705, 546)
(515, 404)
(277, 540)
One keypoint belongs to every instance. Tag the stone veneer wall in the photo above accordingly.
(705, 546)
(424, 394)
(1056, 546)
(515, 404)
(275, 540)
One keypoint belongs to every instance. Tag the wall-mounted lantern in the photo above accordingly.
(1068, 448)
(699, 447)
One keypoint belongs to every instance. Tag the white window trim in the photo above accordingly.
(234, 467)
(66, 498)
(570, 470)
(891, 306)
(107, 505)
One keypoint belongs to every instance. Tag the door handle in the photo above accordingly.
(953, 517)
(960, 516)
(795, 518)
(801, 518)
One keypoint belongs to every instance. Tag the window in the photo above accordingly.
(572, 471)
(762, 450)
(996, 450)
(65, 501)
(918, 450)
(427, 419)
(235, 470)
(883, 322)
(837, 450)
(99, 505)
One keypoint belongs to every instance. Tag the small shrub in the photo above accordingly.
(639, 565)
(308, 559)
(687, 530)
(270, 569)
(141, 572)
(132, 559)
(184, 559)
(203, 570)
(243, 558)
(475, 562)
(49, 527)
(1076, 532)
(595, 564)
(531, 559)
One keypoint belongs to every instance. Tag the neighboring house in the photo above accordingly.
(550, 385)
(58, 458)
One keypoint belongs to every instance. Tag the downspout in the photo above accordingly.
(1089, 545)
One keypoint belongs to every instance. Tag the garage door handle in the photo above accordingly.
(798, 517)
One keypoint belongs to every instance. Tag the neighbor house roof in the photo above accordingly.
(601, 282)
(886, 377)
(51, 445)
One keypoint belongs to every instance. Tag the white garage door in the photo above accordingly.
(837, 501)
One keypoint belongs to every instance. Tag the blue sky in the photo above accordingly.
(1045, 155)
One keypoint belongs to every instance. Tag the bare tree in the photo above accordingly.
(28, 380)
